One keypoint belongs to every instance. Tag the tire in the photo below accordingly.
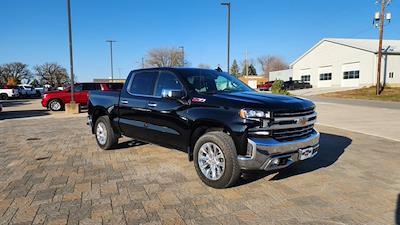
(105, 136)
(230, 173)
(55, 105)
(38, 94)
(3, 96)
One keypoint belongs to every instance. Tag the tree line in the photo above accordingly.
(173, 57)
(16, 73)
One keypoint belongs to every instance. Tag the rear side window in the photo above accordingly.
(91, 87)
(167, 80)
(143, 83)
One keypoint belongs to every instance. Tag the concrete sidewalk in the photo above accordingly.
(363, 117)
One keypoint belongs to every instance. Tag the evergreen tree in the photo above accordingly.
(252, 70)
(235, 69)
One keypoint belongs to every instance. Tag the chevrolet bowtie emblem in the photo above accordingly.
(302, 121)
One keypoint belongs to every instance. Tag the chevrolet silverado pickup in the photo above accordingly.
(223, 125)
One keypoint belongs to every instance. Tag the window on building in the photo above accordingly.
(325, 76)
(391, 74)
(355, 74)
(305, 77)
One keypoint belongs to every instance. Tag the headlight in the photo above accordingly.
(251, 113)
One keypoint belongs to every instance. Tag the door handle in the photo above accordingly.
(124, 101)
(152, 104)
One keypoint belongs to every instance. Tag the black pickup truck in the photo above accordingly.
(223, 125)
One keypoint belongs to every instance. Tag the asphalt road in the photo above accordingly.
(381, 119)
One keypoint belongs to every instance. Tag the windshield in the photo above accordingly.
(210, 82)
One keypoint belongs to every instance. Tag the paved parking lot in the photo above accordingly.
(52, 172)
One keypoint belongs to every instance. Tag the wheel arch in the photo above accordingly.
(201, 127)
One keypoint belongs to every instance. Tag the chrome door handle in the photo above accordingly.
(152, 104)
(124, 101)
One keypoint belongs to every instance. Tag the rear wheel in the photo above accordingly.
(55, 105)
(105, 135)
(215, 160)
(3, 96)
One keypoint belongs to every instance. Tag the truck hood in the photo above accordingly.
(270, 102)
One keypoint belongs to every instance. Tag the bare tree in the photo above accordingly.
(14, 71)
(164, 57)
(52, 74)
(204, 66)
(272, 63)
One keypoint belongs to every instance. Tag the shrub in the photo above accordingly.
(277, 88)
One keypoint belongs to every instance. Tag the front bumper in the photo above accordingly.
(264, 151)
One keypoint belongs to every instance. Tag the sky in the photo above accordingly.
(36, 31)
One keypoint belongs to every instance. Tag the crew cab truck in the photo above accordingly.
(223, 125)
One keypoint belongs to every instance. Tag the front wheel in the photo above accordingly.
(104, 132)
(215, 160)
(4, 96)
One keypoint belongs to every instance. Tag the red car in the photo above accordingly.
(266, 86)
(56, 100)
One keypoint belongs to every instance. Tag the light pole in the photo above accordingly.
(379, 20)
(183, 55)
(229, 30)
(71, 61)
(111, 59)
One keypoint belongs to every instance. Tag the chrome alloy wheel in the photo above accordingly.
(101, 133)
(211, 161)
(55, 105)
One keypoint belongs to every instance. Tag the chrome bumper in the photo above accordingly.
(265, 150)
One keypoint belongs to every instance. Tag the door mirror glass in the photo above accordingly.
(172, 93)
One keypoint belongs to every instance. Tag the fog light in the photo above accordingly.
(275, 162)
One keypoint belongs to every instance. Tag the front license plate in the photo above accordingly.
(305, 153)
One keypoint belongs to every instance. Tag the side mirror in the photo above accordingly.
(171, 93)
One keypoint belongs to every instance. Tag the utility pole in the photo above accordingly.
(111, 51)
(183, 55)
(142, 62)
(245, 64)
(229, 30)
(71, 61)
(381, 20)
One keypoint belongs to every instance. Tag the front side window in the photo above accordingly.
(305, 77)
(351, 74)
(143, 83)
(325, 76)
(77, 88)
(211, 82)
(167, 80)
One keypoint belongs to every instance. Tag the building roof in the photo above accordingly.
(369, 45)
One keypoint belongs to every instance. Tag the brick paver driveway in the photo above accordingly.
(52, 172)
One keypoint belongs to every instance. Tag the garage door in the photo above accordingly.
(350, 75)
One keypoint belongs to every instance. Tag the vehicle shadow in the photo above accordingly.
(397, 215)
(128, 144)
(14, 102)
(23, 114)
(331, 148)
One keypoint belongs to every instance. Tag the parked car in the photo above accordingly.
(296, 84)
(1, 107)
(7, 92)
(266, 86)
(56, 100)
(27, 90)
(223, 125)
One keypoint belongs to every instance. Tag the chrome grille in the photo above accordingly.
(287, 126)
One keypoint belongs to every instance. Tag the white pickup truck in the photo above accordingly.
(8, 92)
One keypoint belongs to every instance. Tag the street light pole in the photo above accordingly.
(70, 52)
(111, 59)
(183, 55)
(229, 30)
